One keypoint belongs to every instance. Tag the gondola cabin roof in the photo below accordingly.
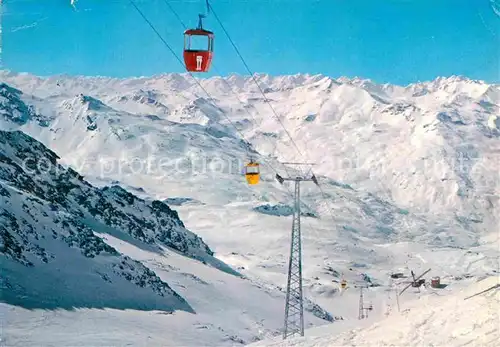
(200, 32)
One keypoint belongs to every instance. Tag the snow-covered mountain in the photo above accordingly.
(66, 244)
(409, 175)
(429, 146)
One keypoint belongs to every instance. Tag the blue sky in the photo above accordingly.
(395, 41)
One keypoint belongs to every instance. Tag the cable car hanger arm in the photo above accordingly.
(200, 21)
(201, 16)
(281, 179)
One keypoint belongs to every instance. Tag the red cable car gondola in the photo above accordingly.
(198, 60)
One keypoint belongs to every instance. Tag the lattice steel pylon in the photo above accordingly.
(361, 313)
(294, 308)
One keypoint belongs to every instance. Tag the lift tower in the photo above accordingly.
(294, 308)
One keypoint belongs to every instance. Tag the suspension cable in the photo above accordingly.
(252, 75)
(236, 95)
(216, 70)
(227, 83)
(199, 84)
(132, 2)
(265, 98)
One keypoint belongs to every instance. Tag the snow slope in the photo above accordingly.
(409, 174)
(48, 218)
(229, 311)
(467, 317)
(73, 251)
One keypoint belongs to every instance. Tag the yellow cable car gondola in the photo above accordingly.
(252, 172)
(343, 284)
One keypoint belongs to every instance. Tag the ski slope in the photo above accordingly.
(461, 317)
(227, 311)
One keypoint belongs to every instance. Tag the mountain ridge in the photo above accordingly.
(448, 123)
(409, 176)
(34, 188)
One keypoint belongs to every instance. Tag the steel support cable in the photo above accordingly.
(167, 2)
(227, 83)
(132, 2)
(230, 88)
(253, 78)
(199, 84)
(213, 65)
(252, 75)
(266, 99)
